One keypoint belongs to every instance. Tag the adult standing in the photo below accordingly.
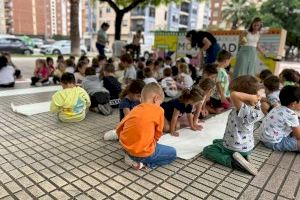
(136, 43)
(246, 60)
(206, 42)
(102, 38)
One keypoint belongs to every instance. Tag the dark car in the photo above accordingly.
(14, 46)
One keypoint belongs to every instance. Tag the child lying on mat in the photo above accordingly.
(71, 102)
(140, 130)
(238, 141)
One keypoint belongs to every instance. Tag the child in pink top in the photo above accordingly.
(41, 73)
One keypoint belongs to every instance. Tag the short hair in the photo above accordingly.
(135, 87)
(80, 64)
(289, 94)
(104, 24)
(272, 83)
(223, 55)
(151, 88)
(147, 72)
(110, 68)
(168, 58)
(289, 75)
(246, 84)
(210, 69)
(72, 57)
(48, 59)
(167, 72)
(95, 62)
(194, 95)
(60, 57)
(265, 74)
(90, 71)
(84, 58)
(3, 61)
(206, 84)
(126, 58)
(149, 62)
(183, 68)
(101, 57)
(69, 62)
(67, 78)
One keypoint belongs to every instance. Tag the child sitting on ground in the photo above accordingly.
(50, 64)
(272, 91)
(18, 74)
(238, 141)
(112, 84)
(41, 73)
(7, 73)
(220, 96)
(141, 129)
(71, 102)
(184, 80)
(70, 66)
(289, 77)
(265, 74)
(58, 72)
(130, 72)
(80, 72)
(175, 108)
(98, 94)
(60, 59)
(280, 128)
(148, 74)
(169, 84)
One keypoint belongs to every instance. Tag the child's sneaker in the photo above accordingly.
(111, 135)
(132, 163)
(240, 161)
(38, 84)
(105, 109)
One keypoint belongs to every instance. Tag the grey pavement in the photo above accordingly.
(41, 158)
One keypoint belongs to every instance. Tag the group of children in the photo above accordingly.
(138, 89)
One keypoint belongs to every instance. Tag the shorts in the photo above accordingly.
(288, 143)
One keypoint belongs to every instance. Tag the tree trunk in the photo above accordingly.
(118, 25)
(74, 35)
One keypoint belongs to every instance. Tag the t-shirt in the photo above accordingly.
(42, 72)
(102, 37)
(278, 124)
(238, 134)
(117, 48)
(140, 130)
(70, 70)
(113, 86)
(223, 79)
(169, 86)
(175, 104)
(7, 75)
(78, 78)
(130, 73)
(126, 103)
(273, 98)
(203, 34)
(187, 81)
(70, 104)
(150, 80)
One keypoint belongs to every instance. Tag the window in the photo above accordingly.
(108, 9)
(151, 12)
(195, 11)
(174, 19)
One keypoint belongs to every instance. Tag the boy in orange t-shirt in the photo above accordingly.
(140, 130)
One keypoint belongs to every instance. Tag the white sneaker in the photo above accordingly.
(132, 163)
(245, 164)
(111, 135)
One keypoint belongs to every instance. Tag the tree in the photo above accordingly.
(74, 35)
(121, 7)
(239, 13)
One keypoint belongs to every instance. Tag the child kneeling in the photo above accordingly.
(280, 128)
(238, 141)
(140, 130)
(71, 102)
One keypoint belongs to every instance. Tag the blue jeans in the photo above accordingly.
(162, 155)
(288, 143)
(212, 53)
(100, 48)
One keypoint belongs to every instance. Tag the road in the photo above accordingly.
(26, 65)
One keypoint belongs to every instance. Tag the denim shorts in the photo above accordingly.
(288, 143)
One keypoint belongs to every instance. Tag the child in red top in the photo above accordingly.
(41, 73)
(140, 130)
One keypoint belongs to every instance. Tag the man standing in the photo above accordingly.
(102, 38)
(136, 43)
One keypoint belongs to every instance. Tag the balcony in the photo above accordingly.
(185, 7)
(138, 13)
(184, 20)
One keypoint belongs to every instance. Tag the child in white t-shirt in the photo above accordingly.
(7, 73)
(169, 84)
(272, 84)
(184, 80)
(148, 74)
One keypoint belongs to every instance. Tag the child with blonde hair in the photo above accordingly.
(41, 73)
(184, 80)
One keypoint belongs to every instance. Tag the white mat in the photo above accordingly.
(191, 143)
(14, 92)
(32, 109)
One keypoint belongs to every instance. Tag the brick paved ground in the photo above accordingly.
(41, 158)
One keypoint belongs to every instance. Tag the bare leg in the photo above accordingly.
(166, 126)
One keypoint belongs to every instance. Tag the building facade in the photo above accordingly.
(203, 15)
(2, 17)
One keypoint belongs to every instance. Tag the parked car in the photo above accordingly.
(37, 42)
(14, 45)
(61, 47)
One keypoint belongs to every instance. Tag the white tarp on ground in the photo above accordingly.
(190, 143)
(5, 93)
(32, 109)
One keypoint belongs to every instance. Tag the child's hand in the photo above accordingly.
(176, 134)
(254, 99)
(197, 127)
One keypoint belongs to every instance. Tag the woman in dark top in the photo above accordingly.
(206, 42)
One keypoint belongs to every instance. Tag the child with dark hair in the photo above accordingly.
(18, 74)
(50, 63)
(265, 74)
(130, 72)
(60, 59)
(280, 128)
(7, 73)
(175, 108)
(84, 59)
(130, 97)
(71, 102)
(238, 141)
(80, 72)
(98, 94)
(140, 70)
(289, 77)
(58, 72)
(41, 73)
(70, 66)
(209, 71)
(111, 83)
(169, 84)
(272, 91)
(148, 74)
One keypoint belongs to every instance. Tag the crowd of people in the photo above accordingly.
(157, 96)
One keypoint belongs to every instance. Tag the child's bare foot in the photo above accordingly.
(175, 134)
(94, 110)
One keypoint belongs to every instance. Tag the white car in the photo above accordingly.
(62, 47)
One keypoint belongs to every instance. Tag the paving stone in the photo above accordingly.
(105, 189)
(187, 195)
(250, 193)
(274, 158)
(3, 192)
(129, 193)
(222, 195)
(266, 196)
(290, 185)
(58, 181)
(96, 194)
(46, 185)
(71, 190)
(36, 191)
(286, 160)
(13, 187)
(227, 191)
(25, 182)
(118, 196)
(60, 195)
(274, 183)
(262, 176)
(171, 187)
(155, 196)
(296, 165)
(82, 185)
(23, 195)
